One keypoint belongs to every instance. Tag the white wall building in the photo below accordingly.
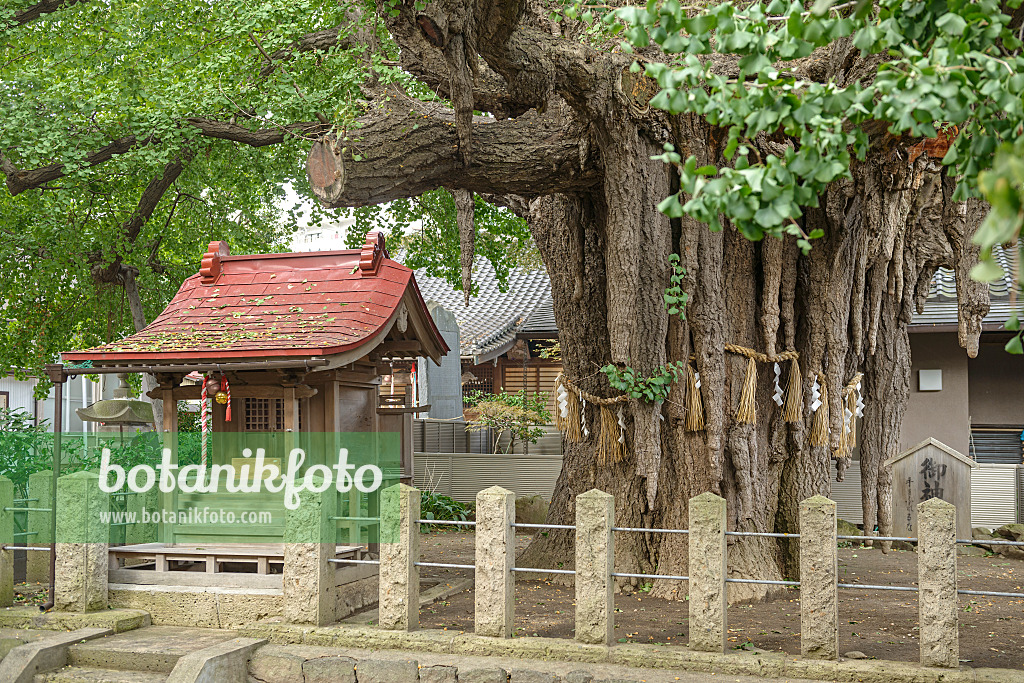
(79, 392)
(322, 236)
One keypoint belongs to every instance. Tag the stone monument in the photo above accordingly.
(441, 387)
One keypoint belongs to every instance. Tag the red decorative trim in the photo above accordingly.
(372, 254)
(210, 267)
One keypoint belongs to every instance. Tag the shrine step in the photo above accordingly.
(81, 674)
(152, 650)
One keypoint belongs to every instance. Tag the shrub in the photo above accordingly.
(436, 506)
(517, 413)
(26, 448)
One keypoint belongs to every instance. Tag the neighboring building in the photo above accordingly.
(973, 405)
(18, 394)
(326, 236)
(502, 334)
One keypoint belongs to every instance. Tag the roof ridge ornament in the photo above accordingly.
(372, 253)
(210, 268)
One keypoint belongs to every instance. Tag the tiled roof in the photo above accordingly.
(488, 326)
(940, 308)
(542, 321)
(271, 305)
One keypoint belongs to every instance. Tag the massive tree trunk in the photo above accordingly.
(576, 162)
(149, 383)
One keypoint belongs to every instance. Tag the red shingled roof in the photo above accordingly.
(274, 305)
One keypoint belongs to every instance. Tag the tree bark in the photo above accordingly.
(149, 383)
(19, 180)
(571, 239)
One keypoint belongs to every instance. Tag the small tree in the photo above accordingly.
(519, 414)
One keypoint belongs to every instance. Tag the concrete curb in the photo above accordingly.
(769, 665)
(308, 663)
(22, 663)
(226, 662)
(118, 620)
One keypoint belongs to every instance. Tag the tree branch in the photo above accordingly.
(153, 193)
(19, 180)
(39, 9)
(406, 148)
(148, 202)
(320, 41)
(261, 137)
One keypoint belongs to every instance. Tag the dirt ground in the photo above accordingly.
(880, 624)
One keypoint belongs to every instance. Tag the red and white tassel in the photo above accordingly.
(225, 386)
(204, 418)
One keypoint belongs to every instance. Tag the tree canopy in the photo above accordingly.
(136, 132)
(130, 138)
(948, 70)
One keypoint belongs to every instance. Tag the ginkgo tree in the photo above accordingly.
(810, 165)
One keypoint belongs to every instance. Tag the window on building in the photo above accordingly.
(264, 415)
(997, 444)
(267, 415)
(478, 378)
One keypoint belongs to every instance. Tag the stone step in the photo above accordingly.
(154, 649)
(11, 638)
(82, 674)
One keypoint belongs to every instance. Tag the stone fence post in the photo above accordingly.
(83, 538)
(819, 568)
(936, 571)
(595, 562)
(310, 543)
(707, 573)
(37, 563)
(6, 540)
(143, 532)
(399, 552)
(495, 555)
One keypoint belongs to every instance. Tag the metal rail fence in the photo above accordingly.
(707, 537)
